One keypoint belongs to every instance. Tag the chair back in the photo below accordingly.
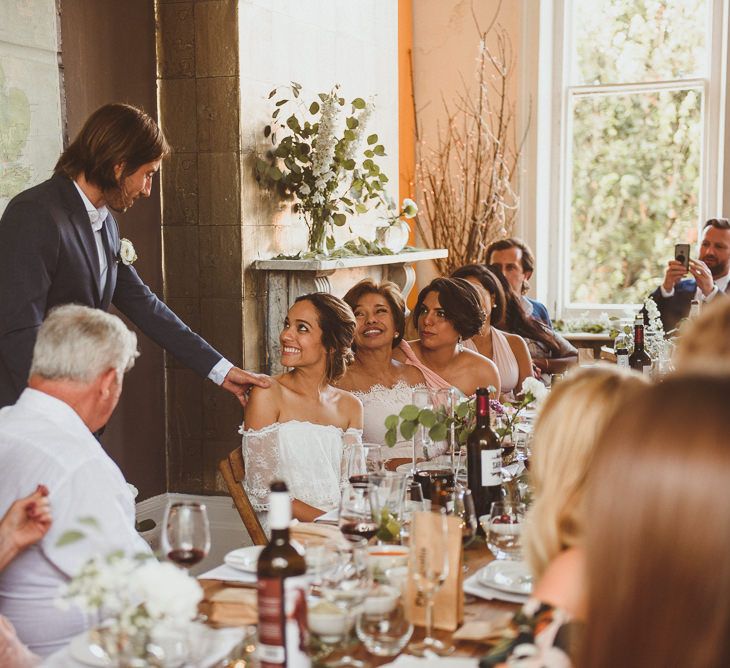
(233, 471)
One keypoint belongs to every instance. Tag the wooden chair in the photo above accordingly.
(233, 471)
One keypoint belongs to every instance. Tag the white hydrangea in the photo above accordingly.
(167, 591)
(536, 389)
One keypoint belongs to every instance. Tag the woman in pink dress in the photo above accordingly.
(508, 351)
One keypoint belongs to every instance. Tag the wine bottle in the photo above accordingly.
(694, 309)
(484, 459)
(278, 561)
(621, 350)
(639, 360)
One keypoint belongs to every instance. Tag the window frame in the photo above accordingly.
(546, 194)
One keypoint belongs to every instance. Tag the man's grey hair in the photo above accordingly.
(80, 343)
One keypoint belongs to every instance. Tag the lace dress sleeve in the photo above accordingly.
(262, 462)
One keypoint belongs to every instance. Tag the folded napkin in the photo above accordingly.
(309, 534)
(228, 574)
(329, 518)
(473, 586)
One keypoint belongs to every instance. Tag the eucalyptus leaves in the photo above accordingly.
(438, 421)
(318, 159)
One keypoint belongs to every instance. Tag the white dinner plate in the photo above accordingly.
(244, 558)
(513, 577)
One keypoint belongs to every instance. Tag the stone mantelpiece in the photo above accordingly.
(288, 279)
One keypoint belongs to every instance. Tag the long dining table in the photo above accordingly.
(495, 612)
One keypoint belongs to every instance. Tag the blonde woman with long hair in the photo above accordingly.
(563, 450)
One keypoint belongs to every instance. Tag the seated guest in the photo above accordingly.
(449, 311)
(658, 572)
(25, 523)
(295, 430)
(550, 352)
(383, 384)
(508, 351)
(79, 361)
(516, 261)
(563, 450)
(703, 343)
(710, 275)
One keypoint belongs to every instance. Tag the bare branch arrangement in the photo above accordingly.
(466, 182)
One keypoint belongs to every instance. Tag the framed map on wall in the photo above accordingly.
(31, 136)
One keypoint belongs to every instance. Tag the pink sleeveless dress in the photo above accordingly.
(433, 380)
(503, 357)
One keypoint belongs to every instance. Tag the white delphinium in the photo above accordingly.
(325, 141)
(362, 120)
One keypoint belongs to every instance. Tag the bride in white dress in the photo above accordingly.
(382, 384)
(296, 429)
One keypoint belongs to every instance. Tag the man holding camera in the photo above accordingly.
(710, 275)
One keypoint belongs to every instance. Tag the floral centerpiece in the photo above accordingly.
(317, 158)
(134, 598)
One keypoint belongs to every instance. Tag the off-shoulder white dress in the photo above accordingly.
(307, 457)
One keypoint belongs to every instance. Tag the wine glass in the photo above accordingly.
(429, 568)
(413, 503)
(461, 505)
(421, 440)
(356, 518)
(387, 493)
(362, 460)
(504, 529)
(186, 533)
(346, 584)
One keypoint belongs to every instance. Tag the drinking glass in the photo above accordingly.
(429, 568)
(356, 517)
(421, 440)
(346, 584)
(413, 503)
(503, 527)
(362, 460)
(387, 493)
(461, 505)
(383, 626)
(186, 533)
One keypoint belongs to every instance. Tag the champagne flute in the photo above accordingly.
(429, 568)
(186, 533)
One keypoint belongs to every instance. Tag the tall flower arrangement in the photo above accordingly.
(323, 159)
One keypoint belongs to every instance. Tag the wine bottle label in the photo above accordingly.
(646, 370)
(491, 468)
(283, 633)
(622, 361)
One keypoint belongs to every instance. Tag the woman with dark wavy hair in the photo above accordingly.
(508, 351)
(449, 311)
(551, 353)
(296, 429)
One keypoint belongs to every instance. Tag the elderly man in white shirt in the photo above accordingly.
(79, 361)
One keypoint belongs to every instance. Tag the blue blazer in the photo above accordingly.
(49, 258)
(540, 312)
(673, 309)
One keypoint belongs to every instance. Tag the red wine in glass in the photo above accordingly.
(361, 529)
(186, 558)
(362, 478)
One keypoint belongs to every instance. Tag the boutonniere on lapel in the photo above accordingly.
(127, 254)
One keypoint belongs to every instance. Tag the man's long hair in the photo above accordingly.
(115, 134)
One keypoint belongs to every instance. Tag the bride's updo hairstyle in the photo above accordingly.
(460, 302)
(338, 329)
(388, 291)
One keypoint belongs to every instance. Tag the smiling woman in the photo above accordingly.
(296, 429)
(383, 385)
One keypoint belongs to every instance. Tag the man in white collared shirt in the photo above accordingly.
(710, 275)
(79, 361)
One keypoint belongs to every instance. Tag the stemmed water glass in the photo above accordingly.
(504, 529)
(429, 568)
(346, 583)
(356, 517)
(362, 460)
(186, 533)
(421, 440)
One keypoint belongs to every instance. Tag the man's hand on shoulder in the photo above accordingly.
(240, 382)
(674, 273)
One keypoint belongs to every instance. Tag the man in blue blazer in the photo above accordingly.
(59, 244)
(710, 275)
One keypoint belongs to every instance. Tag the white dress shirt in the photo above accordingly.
(43, 440)
(97, 217)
